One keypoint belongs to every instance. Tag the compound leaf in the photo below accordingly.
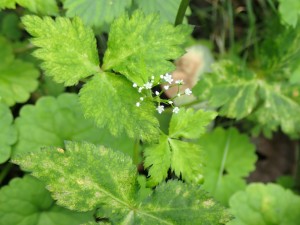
(262, 204)
(17, 78)
(48, 7)
(66, 61)
(289, 11)
(53, 120)
(26, 201)
(8, 134)
(111, 101)
(184, 158)
(230, 156)
(84, 177)
(96, 13)
(146, 48)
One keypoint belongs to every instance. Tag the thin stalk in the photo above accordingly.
(297, 174)
(5, 171)
(252, 27)
(181, 11)
(231, 24)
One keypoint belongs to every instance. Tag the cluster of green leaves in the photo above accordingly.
(84, 177)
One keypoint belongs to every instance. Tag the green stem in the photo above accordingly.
(297, 174)
(5, 171)
(252, 28)
(136, 152)
(181, 11)
(231, 24)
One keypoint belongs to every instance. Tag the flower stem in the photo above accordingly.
(181, 11)
(136, 152)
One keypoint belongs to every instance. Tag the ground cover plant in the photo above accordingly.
(149, 112)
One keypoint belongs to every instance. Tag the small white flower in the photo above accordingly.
(176, 110)
(141, 98)
(178, 94)
(170, 102)
(148, 85)
(188, 91)
(152, 78)
(168, 78)
(166, 87)
(156, 92)
(134, 85)
(138, 104)
(161, 76)
(179, 82)
(160, 109)
(140, 89)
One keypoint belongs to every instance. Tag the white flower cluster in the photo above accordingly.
(167, 78)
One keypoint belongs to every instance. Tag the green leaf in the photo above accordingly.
(10, 26)
(53, 120)
(289, 11)
(262, 204)
(43, 7)
(17, 78)
(184, 158)
(111, 101)
(10, 4)
(190, 124)
(8, 134)
(84, 177)
(25, 201)
(67, 56)
(229, 157)
(167, 9)
(146, 48)
(96, 13)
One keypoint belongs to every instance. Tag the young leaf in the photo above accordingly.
(53, 120)
(184, 158)
(289, 11)
(167, 9)
(17, 78)
(229, 157)
(84, 177)
(146, 48)
(96, 13)
(66, 47)
(48, 7)
(26, 201)
(8, 134)
(265, 204)
(111, 100)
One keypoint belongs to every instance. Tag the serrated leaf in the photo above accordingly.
(66, 61)
(25, 201)
(167, 9)
(184, 158)
(96, 13)
(43, 7)
(10, 4)
(229, 157)
(289, 11)
(17, 78)
(146, 48)
(111, 101)
(84, 177)
(8, 134)
(190, 124)
(262, 204)
(53, 120)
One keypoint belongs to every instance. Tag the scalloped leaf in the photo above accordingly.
(53, 120)
(96, 13)
(184, 158)
(146, 48)
(43, 7)
(84, 177)
(17, 78)
(67, 56)
(10, 4)
(8, 134)
(111, 100)
(266, 205)
(230, 157)
(26, 201)
(289, 11)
